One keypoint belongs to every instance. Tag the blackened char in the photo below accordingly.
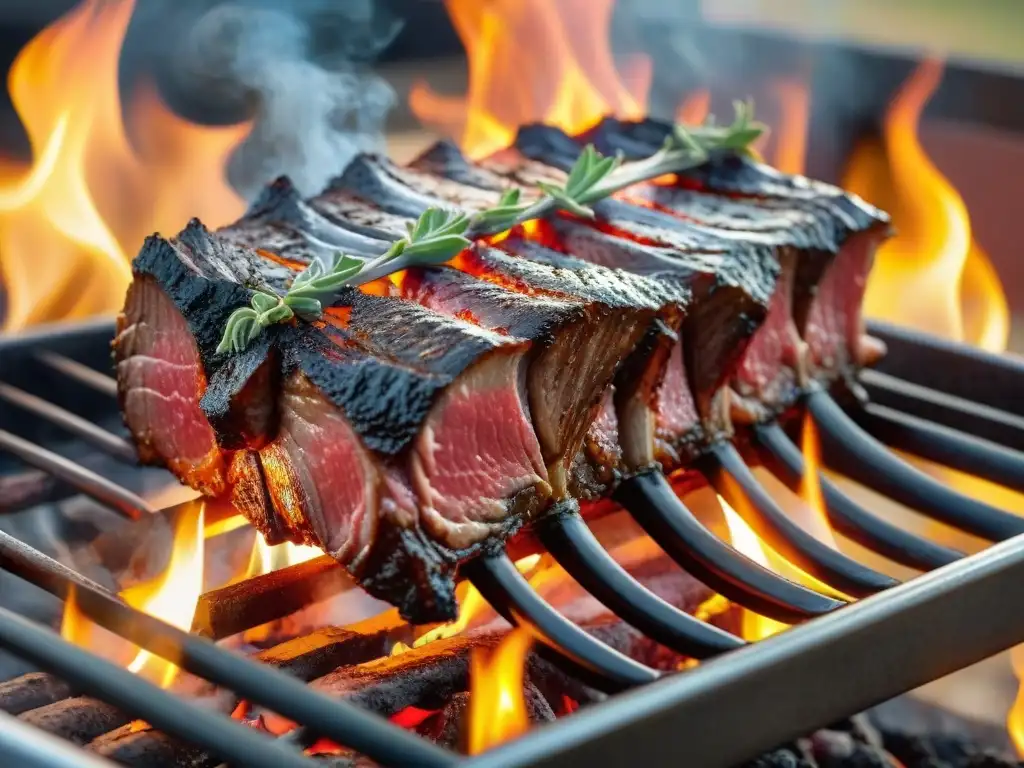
(731, 276)
(574, 358)
(375, 409)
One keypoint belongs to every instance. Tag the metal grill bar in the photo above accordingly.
(115, 685)
(846, 516)
(964, 415)
(968, 373)
(106, 441)
(732, 478)
(95, 486)
(859, 456)
(944, 445)
(568, 539)
(259, 684)
(512, 596)
(654, 505)
(76, 371)
(736, 707)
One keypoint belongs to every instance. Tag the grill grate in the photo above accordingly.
(731, 708)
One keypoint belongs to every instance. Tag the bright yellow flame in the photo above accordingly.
(926, 275)
(1015, 720)
(266, 559)
(533, 61)
(471, 606)
(810, 485)
(497, 708)
(90, 196)
(755, 626)
(172, 596)
(74, 627)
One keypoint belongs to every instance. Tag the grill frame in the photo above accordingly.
(740, 704)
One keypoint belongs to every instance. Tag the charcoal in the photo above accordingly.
(130, 745)
(80, 719)
(31, 691)
(249, 603)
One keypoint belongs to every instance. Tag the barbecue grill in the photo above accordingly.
(735, 705)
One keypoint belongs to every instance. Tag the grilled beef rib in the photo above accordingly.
(429, 415)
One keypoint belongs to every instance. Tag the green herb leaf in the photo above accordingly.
(242, 327)
(322, 283)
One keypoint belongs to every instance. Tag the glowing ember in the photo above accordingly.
(532, 61)
(922, 276)
(91, 194)
(497, 709)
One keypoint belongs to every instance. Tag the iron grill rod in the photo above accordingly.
(943, 445)
(125, 690)
(956, 369)
(341, 722)
(850, 519)
(24, 746)
(112, 444)
(46, 573)
(732, 478)
(571, 543)
(86, 481)
(81, 373)
(982, 421)
(734, 708)
(860, 457)
(585, 656)
(652, 502)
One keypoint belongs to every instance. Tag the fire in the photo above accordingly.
(172, 597)
(926, 275)
(497, 708)
(265, 558)
(811, 513)
(755, 626)
(533, 61)
(174, 594)
(69, 220)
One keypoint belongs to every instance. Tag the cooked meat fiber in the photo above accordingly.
(402, 438)
(730, 281)
(571, 369)
(832, 234)
(432, 413)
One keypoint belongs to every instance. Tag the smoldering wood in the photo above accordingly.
(448, 727)
(80, 719)
(31, 691)
(304, 657)
(229, 610)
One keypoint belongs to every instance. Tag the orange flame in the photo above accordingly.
(266, 559)
(923, 275)
(90, 196)
(815, 521)
(174, 595)
(497, 709)
(532, 61)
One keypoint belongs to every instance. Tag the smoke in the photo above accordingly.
(298, 69)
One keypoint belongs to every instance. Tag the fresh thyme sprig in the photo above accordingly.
(434, 238)
(439, 234)
(594, 177)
